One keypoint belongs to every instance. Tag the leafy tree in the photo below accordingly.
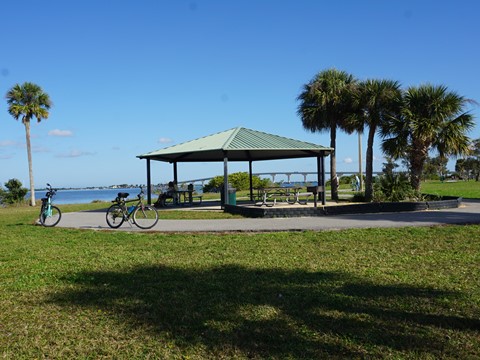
(346, 180)
(470, 166)
(214, 184)
(28, 101)
(432, 118)
(378, 100)
(326, 103)
(474, 160)
(473, 167)
(460, 169)
(435, 168)
(239, 181)
(475, 149)
(15, 192)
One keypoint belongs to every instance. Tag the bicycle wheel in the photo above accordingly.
(50, 217)
(145, 217)
(115, 216)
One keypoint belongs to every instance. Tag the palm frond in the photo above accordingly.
(28, 101)
(326, 99)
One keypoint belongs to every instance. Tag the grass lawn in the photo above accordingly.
(380, 293)
(465, 189)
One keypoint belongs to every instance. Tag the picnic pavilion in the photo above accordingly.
(239, 144)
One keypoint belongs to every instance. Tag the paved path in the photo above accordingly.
(468, 213)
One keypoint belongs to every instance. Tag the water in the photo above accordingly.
(298, 183)
(83, 196)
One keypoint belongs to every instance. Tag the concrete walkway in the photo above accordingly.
(468, 213)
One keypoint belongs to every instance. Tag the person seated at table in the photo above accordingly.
(170, 193)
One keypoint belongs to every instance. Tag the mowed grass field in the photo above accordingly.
(411, 293)
(465, 189)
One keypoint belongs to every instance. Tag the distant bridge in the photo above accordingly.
(287, 174)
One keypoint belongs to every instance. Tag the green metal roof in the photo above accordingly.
(238, 144)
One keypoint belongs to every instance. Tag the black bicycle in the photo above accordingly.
(142, 215)
(50, 215)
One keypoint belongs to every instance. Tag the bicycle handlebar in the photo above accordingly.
(50, 191)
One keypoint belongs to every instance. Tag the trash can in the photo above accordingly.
(232, 196)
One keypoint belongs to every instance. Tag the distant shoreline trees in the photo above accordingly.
(469, 167)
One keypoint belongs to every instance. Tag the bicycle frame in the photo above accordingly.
(143, 216)
(127, 214)
(47, 207)
(48, 210)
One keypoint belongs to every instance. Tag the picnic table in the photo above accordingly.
(182, 197)
(268, 195)
(185, 194)
(188, 196)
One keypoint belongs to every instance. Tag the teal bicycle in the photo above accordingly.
(50, 215)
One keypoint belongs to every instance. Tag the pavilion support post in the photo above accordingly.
(320, 191)
(149, 183)
(175, 173)
(225, 179)
(322, 179)
(251, 179)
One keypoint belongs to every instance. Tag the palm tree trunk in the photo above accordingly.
(333, 162)
(417, 161)
(30, 166)
(369, 166)
(416, 173)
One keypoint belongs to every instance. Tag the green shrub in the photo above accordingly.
(393, 187)
(346, 180)
(2, 196)
(358, 197)
(15, 193)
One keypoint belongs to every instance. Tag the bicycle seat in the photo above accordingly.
(123, 195)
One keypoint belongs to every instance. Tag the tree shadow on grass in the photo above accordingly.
(272, 313)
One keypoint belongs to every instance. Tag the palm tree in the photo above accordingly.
(327, 103)
(28, 101)
(432, 118)
(378, 100)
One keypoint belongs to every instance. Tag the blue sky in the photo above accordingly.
(129, 77)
